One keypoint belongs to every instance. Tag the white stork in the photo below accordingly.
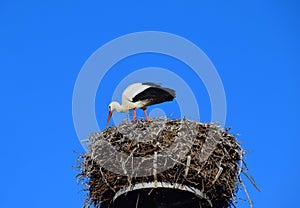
(141, 95)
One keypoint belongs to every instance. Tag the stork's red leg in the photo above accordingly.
(134, 114)
(146, 115)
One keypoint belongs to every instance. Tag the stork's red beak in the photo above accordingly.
(108, 117)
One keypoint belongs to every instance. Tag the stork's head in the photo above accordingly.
(111, 108)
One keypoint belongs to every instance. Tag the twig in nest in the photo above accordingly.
(246, 192)
(250, 178)
(105, 181)
(218, 174)
(188, 162)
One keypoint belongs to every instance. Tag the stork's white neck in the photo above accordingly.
(116, 106)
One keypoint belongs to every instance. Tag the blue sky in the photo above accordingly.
(254, 46)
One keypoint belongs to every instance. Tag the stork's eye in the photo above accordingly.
(109, 107)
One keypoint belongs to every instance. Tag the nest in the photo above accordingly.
(201, 157)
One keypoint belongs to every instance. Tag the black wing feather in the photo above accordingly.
(151, 84)
(155, 95)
